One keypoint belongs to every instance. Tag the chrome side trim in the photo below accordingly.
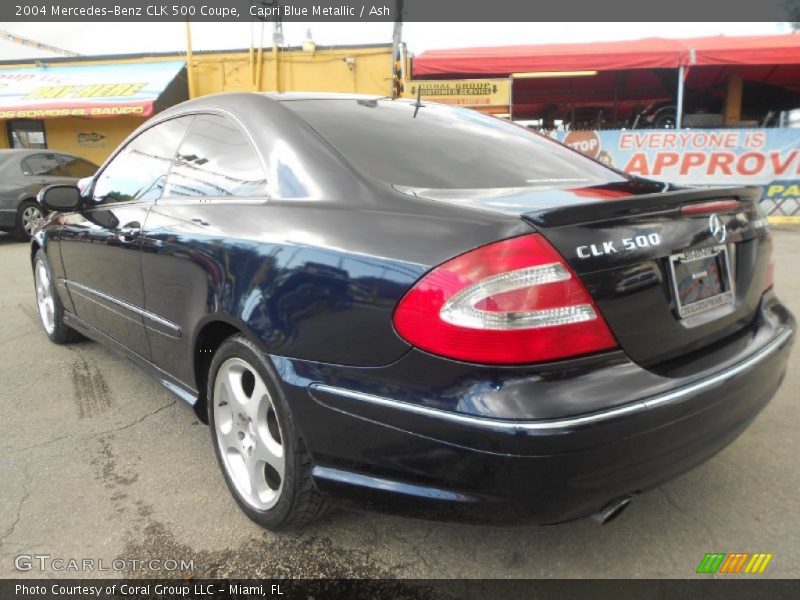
(172, 327)
(93, 298)
(179, 391)
(568, 422)
(145, 314)
(381, 483)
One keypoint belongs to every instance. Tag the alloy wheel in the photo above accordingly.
(32, 216)
(44, 297)
(248, 434)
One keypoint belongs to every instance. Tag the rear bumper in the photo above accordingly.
(421, 459)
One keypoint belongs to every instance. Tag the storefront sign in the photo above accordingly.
(91, 139)
(769, 158)
(461, 92)
(84, 90)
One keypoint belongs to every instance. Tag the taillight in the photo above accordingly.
(510, 302)
(709, 208)
(770, 279)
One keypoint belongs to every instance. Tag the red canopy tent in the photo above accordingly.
(629, 73)
(648, 53)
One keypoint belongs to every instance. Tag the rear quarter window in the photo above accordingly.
(216, 160)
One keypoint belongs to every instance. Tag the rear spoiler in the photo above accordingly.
(646, 204)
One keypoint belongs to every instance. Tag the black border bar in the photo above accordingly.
(745, 587)
(388, 10)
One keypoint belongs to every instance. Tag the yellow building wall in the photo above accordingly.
(363, 70)
(353, 70)
(92, 139)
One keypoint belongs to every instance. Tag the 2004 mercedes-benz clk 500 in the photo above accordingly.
(416, 306)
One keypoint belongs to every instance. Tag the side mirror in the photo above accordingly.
(60, 198)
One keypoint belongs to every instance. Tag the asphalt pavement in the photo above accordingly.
(101, 463)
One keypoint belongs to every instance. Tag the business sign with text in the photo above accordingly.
(84, 91)
(768, 158)
(475, 93)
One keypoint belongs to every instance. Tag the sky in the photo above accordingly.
(123, 38)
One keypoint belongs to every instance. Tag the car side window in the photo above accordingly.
(139, 171)
(77, 167)
(42, 165)
(216, 160)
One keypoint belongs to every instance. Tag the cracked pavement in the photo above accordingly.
(101, 462)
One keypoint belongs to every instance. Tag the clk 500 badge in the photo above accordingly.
(624, 245)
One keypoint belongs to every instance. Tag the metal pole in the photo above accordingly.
(277, 40)
(403, 61)
(260, 58)
(252, 58)
(189, 60)
(679, 102)
(397, 39)
(511, 98)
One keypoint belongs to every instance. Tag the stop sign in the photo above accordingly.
(586, 142)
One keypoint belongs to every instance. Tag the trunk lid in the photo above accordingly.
(668, 279)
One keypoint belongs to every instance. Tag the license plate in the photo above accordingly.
(701, 280)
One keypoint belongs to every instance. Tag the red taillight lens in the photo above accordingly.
(709, 208)
(510, 302)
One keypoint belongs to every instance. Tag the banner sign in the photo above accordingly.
(476, 93)
(84, 91)
(769, 158)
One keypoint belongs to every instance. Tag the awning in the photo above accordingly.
(95, 91)
(649, 53)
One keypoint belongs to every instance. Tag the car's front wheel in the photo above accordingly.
(263, 458)
(29, 216)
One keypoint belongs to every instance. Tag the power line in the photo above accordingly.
(23, 41)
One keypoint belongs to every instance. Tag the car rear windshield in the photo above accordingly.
(436, 146)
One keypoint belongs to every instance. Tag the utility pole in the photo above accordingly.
(190, 61)
(679, 99)
(397, 53)
(277, 41)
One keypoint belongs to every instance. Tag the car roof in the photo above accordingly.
(19, 151)
(289, 96)
(248, 105)
(237, 100)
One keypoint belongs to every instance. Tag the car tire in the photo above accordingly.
(48, 304)
(29, 215)
(260, 452)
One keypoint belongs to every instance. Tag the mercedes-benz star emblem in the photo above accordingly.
(717, 228)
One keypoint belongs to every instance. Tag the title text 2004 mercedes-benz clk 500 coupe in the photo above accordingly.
(418, 307)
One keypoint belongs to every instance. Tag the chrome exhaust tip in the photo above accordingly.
(611, 510)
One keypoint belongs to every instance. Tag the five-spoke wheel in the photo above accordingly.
(263, 458)
(51, 311)
(44, 295)
(248, 433)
